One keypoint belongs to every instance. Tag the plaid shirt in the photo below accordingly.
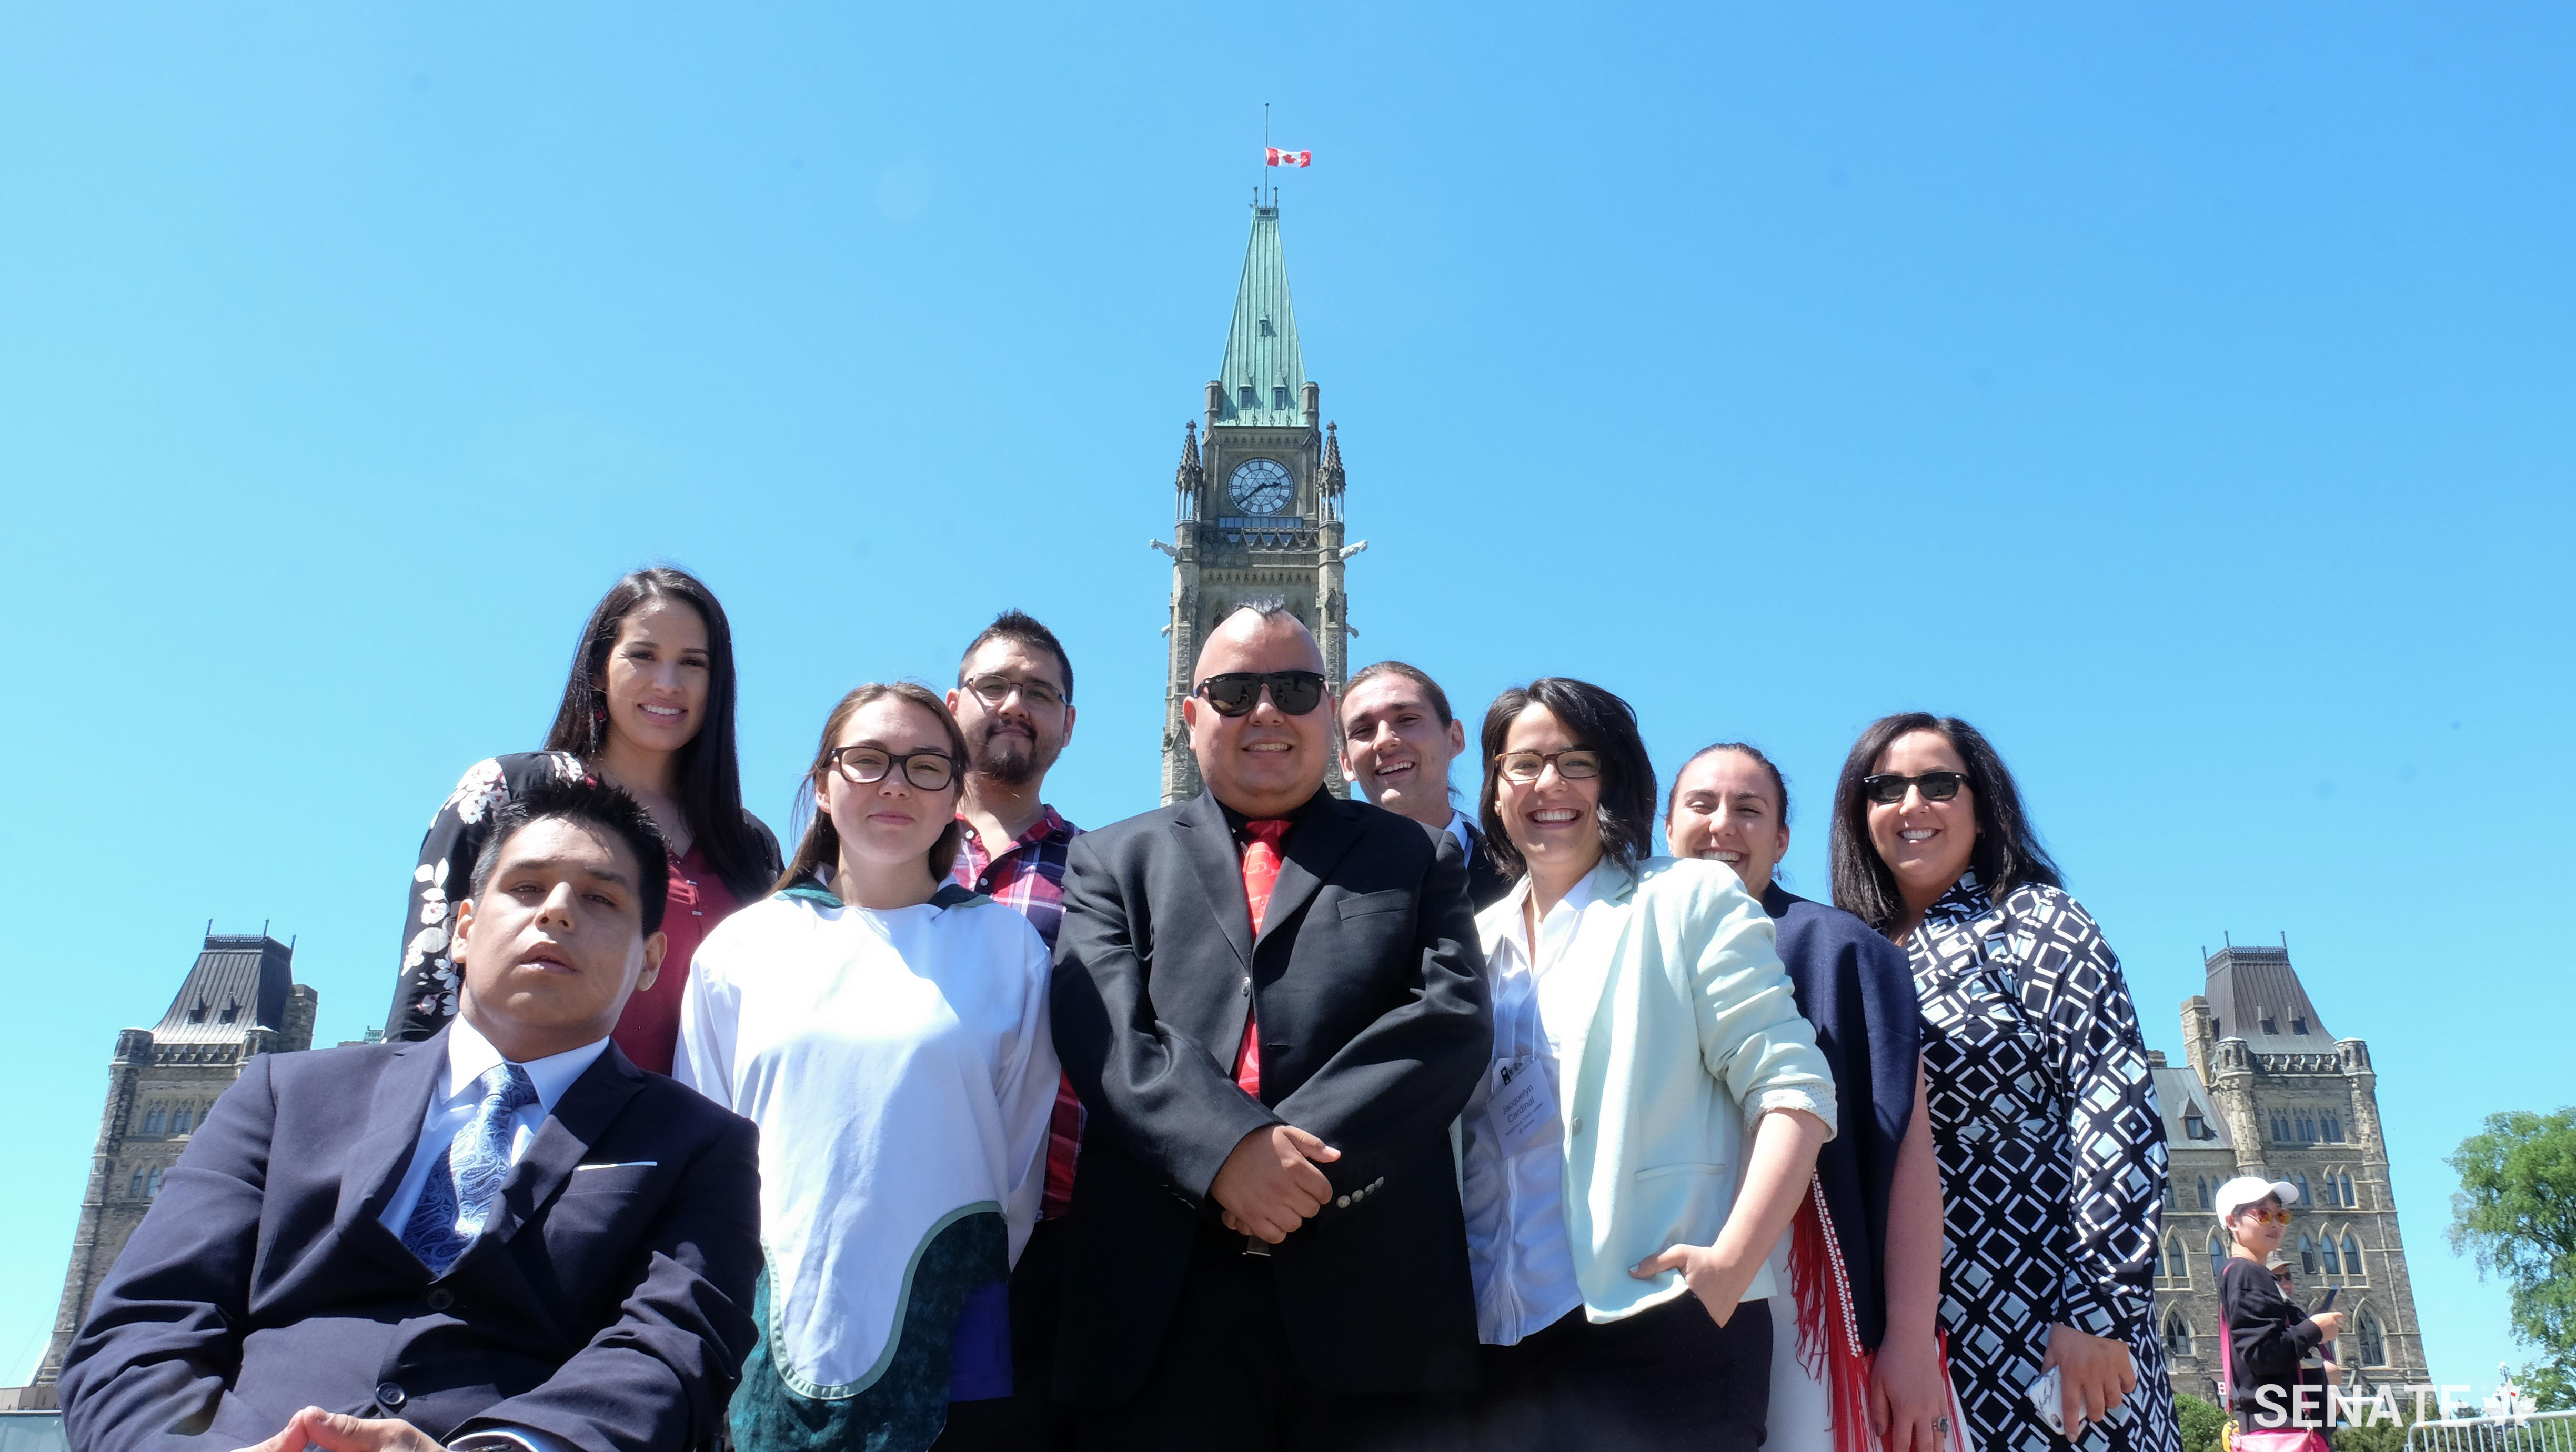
(1028, 875)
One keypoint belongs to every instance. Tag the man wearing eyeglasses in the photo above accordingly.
(1273, 1004)
(1014, 702)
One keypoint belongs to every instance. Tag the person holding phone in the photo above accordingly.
(2268, 1387)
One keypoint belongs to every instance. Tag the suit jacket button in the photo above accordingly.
(441, 1299)
(391, 1396)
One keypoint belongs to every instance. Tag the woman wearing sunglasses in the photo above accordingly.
(2277, 1396)
(1651, 1117)
(888, 1032)
(2052, 1154)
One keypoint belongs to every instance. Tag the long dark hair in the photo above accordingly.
(709, 779)
(821, 845)
(1598, 720)
(2007, 853)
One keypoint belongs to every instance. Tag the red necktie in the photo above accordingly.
(1260, 874)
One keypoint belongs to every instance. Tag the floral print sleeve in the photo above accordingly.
(425, 986)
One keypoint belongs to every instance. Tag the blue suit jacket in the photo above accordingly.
(607, 1306)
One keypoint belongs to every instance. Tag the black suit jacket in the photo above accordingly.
(1374, 1029)
(1486, 884)
(609, 1306)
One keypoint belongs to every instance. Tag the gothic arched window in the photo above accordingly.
(182, 1116)
(2334, 1129)
(2334, 1258)
(2280, 1126)
(134, 1187)
(2307, 1129)
(2177, 1333)
(2350, 1201)
(2374, 1343)
(2302, 1180)
(2351, 1254)
(2217, 1254)
(2201, 1183)
(152, 1185)
(2177, 1265)
(2307, 1256)
(158, 1116)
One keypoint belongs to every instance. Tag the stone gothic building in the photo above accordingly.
(240, 999)
(1259, 513)
(2267, 1091)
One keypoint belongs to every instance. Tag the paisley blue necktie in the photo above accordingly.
(466, 1181)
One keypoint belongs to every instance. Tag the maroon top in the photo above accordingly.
(649, 1029)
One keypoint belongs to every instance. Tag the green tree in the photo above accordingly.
(2200, 1422)
(2516, 1213)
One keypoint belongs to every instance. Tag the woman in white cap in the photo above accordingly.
(2267, 1334)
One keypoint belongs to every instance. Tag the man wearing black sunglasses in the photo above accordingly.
(1272, 1003)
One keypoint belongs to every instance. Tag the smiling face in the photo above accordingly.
(658, 675)
(2257, 1234)
(555, 943)
(1925, 844)
(884, 825)
(1016, 741)
(1555, 823)
(1264, 763)
(1726, 810)
(1395, 749)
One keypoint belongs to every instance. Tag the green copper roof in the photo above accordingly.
(1261, 348)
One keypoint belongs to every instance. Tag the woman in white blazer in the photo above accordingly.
(1652, 1114)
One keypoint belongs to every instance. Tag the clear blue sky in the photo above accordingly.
(2181, 393)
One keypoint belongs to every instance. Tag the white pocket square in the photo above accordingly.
(618, 1165)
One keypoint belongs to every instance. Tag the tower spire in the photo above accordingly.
(1263, 378)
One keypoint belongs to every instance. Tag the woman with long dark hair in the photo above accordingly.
(2052, 1152)
(648, 708)
(1650, 1119)
(1860, 1269)
(888, 1031)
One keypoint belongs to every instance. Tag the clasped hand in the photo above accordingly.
(2096, 1374)
(331, 1432)
(1269, 1185)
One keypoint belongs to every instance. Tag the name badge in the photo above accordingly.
(1523, 1107)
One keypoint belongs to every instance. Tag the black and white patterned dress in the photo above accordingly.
(2052, 1158)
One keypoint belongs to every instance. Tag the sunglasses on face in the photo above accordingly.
(2267, 1217)
(931, 771)
(1887, 788)
(1235, 693)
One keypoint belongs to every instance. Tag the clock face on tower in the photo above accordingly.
(1262, 486)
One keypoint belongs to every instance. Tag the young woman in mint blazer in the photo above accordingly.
(1652, 1114)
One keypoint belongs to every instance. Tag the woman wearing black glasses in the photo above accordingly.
(888, 1032)
(1651, 1117)
(2052, 1153)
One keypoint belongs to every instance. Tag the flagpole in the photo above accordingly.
(1265, 155)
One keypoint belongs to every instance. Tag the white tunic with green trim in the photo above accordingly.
(901, 1069)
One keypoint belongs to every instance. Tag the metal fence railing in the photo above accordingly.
(2528, 1432)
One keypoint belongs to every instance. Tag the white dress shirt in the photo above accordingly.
(1517, 1247)
(469, 1057)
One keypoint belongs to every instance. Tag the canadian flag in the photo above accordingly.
(1290, 158)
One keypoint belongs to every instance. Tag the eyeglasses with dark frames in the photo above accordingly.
(930, 771)
(993, 690)
(1235, 693)
(1887, 788)
(1575, 763)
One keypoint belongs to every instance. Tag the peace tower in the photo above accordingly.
(1259, 513)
